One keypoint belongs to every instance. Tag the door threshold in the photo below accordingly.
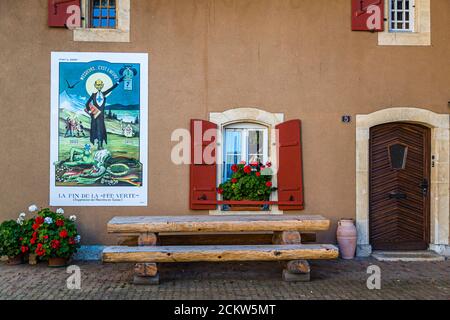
(407, 256)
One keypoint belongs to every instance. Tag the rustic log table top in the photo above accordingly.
(207, 223)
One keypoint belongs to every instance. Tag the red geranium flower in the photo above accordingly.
(59, 222)
(45, 237)
(234, 180)
(24, 249)
(55, 244)
(33, 240)
(39, 220)
(71, 241)
(219, 191)
(40, 251)
(258, 174)
(268, 184)
(247, 169)
(35, 226)
(21, 239)
(253, 164)
(63, 233)
(234, 168)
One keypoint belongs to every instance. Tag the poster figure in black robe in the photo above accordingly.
(95, 107)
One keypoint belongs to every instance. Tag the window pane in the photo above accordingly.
(401, 15)
(398, 154)
(104, 11)
(255, 142)
(233, 150)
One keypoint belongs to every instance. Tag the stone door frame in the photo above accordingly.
(440, 173)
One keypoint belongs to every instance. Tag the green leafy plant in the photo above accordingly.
(248, 182)
(50, 234)
(10, 235)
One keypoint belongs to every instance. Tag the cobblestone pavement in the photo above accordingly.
(330, 280)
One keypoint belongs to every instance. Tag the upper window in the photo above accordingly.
(244, 142)
(408, 23)
(401, 15)
(104, 20)
(103, 14)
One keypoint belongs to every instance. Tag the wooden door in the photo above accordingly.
(399, 201)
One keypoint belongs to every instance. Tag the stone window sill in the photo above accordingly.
(101, 35)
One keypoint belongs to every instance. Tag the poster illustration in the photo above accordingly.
(99, 105)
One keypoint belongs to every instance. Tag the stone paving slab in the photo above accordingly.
(337, 279)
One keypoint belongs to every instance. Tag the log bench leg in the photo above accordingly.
(287, 237)
(296, 270)
(146, 273)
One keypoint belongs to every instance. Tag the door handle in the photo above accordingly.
(424, 186)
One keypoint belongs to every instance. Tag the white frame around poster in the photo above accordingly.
(90, 195)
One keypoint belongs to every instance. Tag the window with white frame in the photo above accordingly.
(408, 23)
(401, 15)
(244, 142)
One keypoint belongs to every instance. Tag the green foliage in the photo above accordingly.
(248, 182)
(10, 234)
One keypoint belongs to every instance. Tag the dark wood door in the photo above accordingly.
(399, 202)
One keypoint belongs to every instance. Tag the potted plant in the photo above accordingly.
(252, 182)
(10, 235)
(53, 237)
(29, 239)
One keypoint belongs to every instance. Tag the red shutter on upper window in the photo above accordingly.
(363, 19)
(203, 171)
(57, 11)
(290, 168)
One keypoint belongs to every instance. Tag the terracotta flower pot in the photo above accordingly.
(13, 261)
(32, 258)
(346, 236)
(57, 262)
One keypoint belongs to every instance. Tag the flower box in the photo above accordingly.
(248, 189)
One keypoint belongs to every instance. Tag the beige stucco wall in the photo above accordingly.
(296, 57)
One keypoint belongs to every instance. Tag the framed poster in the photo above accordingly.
(99, 112)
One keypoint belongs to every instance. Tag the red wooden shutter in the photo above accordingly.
(57, 11)
(360, 16)
(202, 175)
(290, 169)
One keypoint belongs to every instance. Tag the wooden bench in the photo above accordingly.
(286, 240)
